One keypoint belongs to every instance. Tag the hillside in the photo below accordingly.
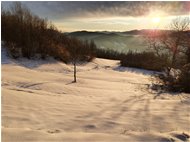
(108, 103)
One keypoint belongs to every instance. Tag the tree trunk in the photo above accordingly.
(75, 78)
(173, 59)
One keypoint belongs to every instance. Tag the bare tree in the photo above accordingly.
(175, 40)
(75, 47)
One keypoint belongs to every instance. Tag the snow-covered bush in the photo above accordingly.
(177, 80)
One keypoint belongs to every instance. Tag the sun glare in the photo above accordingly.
(156, 20)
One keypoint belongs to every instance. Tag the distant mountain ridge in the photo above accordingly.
(114, 40)
(132, 32)
(133, 40)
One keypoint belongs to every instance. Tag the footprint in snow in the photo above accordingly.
(53, 131)
(90, 126)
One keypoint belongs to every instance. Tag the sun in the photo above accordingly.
(156, 20)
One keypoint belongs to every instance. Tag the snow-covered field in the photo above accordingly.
(107, 104)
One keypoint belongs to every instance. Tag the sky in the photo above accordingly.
(70, 16)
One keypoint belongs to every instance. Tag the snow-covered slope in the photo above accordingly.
(108, 103)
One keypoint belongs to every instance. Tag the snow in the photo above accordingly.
(108, 103)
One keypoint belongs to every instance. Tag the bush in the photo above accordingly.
(184, 79)
(176, 80)
(145, 60)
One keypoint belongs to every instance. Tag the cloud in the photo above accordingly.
(90, 9)
(109, 15)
